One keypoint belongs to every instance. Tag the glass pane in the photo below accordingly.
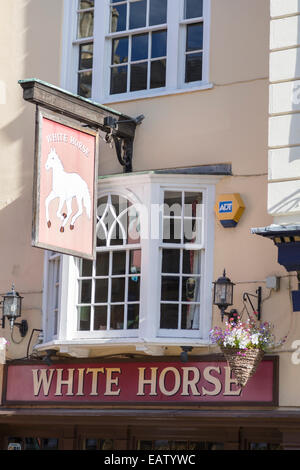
(118, 83)
(192, 231)
(170, 261)
(91, 444)
(102, 264)
(85, 84)
(119, 51)
(100, 317)
(134, 289)
(133, 316)
(118, 18)
(169, 288)
(192, 204)
(159, 44)
(158, 74)
(191, 262)
(83, 4)
(119, 262)
(84, 314)
(138, 78)
(194, 37)
(137, 16)
(118, 289)
(193, 8)
(135, 262)
(50, 444)
(85, 56)
(169, 316)
(190, 289)
(172, 203)
(101, 292)
(190, 316)
(139, 47)
(85, 291)
(158, 12)
(172, 230)
(86, 268)
(117, 317)
(193, 70)
(85, 24)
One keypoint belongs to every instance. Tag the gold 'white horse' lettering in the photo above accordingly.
(66, 186)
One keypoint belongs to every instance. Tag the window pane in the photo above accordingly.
(190, 289)
(85, 292)
(85, 24)
(194, 39)
(135, 262)
(137, 17)
(139, 47)
(117, 289)
(100, 317)
(192, 204)
(119, 262)
(169, 288)
(83, 4)
(119, 51)
(191, 262)
(85, 84)
(172, 203)
(118, 18)
(101, 292)
(86, 268)
(133, 316)
(102, 264)
(158, 12)
(170, 261)
(117, 317)
(190, 316)
(159, 44)
(193, 71)
(169, 316)
(138, 78)
(193, 8)
(84, 318)
(118, 82)
(85, 56)
(158, 74)
(134, 289)
(172, 230)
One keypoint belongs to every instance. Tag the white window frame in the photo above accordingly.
(102, 39)
(148, 189)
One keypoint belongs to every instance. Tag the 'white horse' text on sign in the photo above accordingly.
(66, 186)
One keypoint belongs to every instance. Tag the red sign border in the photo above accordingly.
(42, 113)
(153, 405)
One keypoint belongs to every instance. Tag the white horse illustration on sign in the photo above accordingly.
(66, 186)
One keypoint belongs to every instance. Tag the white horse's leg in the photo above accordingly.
(78, 213)
(60, 206)
(69, 212)
(49, 198)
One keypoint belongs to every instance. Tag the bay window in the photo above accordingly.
(120, 49)
(151, 279)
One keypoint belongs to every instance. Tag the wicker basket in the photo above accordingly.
(243, 362)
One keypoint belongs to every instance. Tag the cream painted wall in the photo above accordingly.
(226, 124)
(30, 35)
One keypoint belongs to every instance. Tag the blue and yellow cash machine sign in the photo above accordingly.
(229, 209)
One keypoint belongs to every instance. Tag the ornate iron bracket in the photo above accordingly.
(246, 296)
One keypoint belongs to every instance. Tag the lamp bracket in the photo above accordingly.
(258, 296)
(23, 327)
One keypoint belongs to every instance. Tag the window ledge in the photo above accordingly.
(155, 94)
(153, 347)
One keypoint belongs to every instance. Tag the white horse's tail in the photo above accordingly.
(87, 200)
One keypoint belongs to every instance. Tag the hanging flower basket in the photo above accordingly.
(243, 362)
(244, 346)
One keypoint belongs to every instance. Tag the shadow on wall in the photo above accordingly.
(32, 57)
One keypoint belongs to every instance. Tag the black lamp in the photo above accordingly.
(11, 305)
(223, 294)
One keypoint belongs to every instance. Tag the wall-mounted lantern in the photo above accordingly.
(12, 309)
(223, 294)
